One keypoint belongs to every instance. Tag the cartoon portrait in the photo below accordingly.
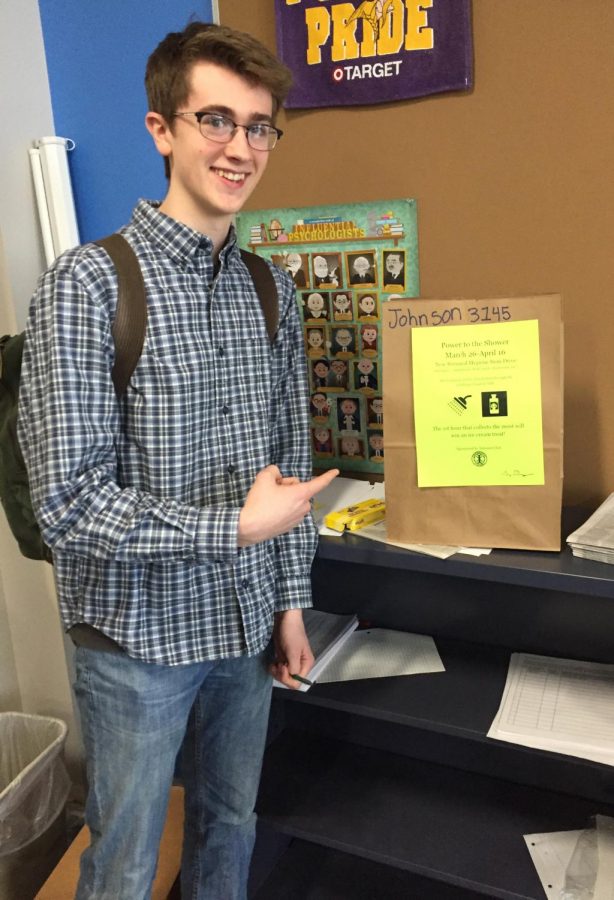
(365, 375)
(368, 340)
(375, 412)
(348, 414)
(277, 231)
(394, 270)
(376, 447)
(326, 269)
(362, 268)
(295, 264)
(315, 307)
(320, 407)
(315, 339)
(338, 377)
(322, 441)
(351, 447)
(342, 306)
(367, 307)
(343, 341)
(319, 373)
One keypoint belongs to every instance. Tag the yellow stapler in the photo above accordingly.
(351, 518)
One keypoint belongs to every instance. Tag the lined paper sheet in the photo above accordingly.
(562, 705)
(382, 653)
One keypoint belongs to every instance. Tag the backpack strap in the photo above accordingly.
(266, 290)
(130, 322)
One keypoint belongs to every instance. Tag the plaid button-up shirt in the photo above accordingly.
(140, 499)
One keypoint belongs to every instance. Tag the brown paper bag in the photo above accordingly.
(515, 516)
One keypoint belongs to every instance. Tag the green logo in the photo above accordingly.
(479, 458)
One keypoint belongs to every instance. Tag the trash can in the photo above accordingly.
(34, 787)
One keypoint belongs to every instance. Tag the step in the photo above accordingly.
(442, 716)
(458, 828)
(311, 872)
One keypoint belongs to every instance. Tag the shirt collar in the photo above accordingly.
(182, 244)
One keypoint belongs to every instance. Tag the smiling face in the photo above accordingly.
(315, 303)
(367, 305)
(210, 182)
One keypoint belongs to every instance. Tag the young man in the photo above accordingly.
(178, 516)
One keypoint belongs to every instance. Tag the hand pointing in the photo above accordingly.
(276, 504)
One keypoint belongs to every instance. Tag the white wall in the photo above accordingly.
(25, 110)
(10, 696)
(33, 667)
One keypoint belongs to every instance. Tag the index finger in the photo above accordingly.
(317, 484)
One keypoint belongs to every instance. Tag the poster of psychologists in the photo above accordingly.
(346, 262)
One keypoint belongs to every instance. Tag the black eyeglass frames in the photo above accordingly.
(220, 128)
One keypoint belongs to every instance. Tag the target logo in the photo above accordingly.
(351, 72)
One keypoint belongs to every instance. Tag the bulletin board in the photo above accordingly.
(513, 181)
(346, 261)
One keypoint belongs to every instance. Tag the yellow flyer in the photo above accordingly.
(478, 404)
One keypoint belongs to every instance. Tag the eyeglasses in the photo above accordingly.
(219, 128)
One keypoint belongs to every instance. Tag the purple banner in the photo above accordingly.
(346, 54)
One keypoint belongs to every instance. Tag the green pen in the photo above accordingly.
(302, 680)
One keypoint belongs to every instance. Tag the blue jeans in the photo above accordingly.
(135, 717)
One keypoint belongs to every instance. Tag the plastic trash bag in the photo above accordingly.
(34, 783)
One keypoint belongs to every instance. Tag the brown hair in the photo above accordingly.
(167, 75)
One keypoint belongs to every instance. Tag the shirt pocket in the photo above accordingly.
(165, 413)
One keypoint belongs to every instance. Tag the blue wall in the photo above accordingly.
(96, 53)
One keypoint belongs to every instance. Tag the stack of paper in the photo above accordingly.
(562, 705)
(327, 633)
(595, 539)
(344, 654)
